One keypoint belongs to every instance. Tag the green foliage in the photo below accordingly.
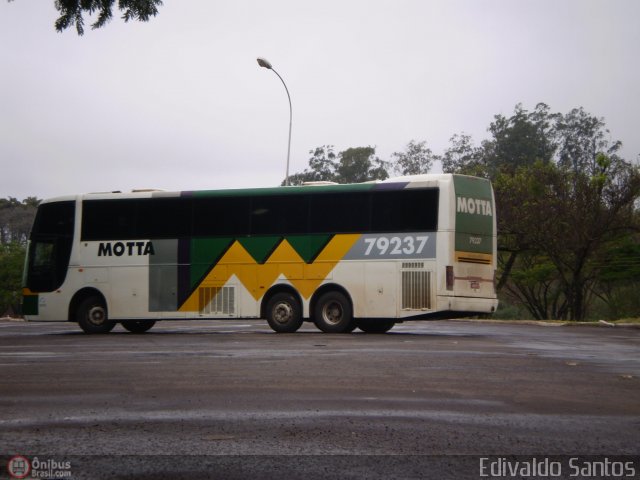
(72, 12)
(463, 157)
(360, 164)
(619, 279)
(11, 264)
(620, 262)
(562, 194)
(353, 165)
(581, 138)
(16, 218)
(15, 224)
(519, 140)
(322, 166)
(536, 285)
(416, 159)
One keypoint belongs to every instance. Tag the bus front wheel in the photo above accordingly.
(138, 326)
(284, 313)
(92, 316)
(333, 313)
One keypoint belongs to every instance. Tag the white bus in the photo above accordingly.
(342, 256)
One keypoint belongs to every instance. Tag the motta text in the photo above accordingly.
(118, 249)
(474, 206)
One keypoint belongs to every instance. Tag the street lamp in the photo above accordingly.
(265, 64)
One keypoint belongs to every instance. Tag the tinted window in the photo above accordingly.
(50, 248)
(405, 210)
(48, 263)
(221, 216)
(55, 218)
(108, 219)
(163, 218)
(279, 214)
(339, 212)
(326, 212)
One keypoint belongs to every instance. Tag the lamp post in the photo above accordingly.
(265, 64)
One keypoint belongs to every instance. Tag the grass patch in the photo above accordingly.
(635, 321)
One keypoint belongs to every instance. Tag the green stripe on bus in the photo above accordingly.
(205, 252)
(308, 246)
(260, 247)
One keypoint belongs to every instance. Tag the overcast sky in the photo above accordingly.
(179, 103)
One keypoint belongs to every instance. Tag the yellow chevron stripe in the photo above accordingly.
(283, 261)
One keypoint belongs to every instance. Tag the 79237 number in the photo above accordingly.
(406, 245)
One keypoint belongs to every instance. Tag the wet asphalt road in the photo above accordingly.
(231, 399)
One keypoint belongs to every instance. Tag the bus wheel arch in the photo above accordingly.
(88, 308)
(331, 309)
(282, 307)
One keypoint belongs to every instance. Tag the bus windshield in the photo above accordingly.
(50, 246)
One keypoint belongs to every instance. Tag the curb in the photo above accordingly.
(11, 319)
(543, 323)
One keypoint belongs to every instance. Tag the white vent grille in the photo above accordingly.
(416, 290)
(217, 300)
(412, 265)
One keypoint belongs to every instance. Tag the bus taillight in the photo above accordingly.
(450, 277)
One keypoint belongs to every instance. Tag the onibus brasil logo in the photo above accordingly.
(21, 467)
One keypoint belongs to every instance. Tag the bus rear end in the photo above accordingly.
(470, 271)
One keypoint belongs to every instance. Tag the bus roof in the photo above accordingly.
(423, 180)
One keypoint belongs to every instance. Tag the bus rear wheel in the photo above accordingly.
(92, 316)
(284, 313)
(375, 325)
(138, 326)
(333, 313)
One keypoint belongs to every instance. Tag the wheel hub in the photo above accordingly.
(97, 315)
(282, 313)
(332, 313)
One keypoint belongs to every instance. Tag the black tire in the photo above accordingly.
(284, 313)
(333, 313)
(375, 325)
(92, 316)
(138, 326)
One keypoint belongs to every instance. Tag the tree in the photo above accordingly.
(11, 262)
(352, 165)
(322, 166)
(360, 164)
(522, 139)
(463, 157)
(562, 196)
(72, 12)
(619, 279)
(416, 159)
(568, 218)
(16, 218)
(581, 137)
